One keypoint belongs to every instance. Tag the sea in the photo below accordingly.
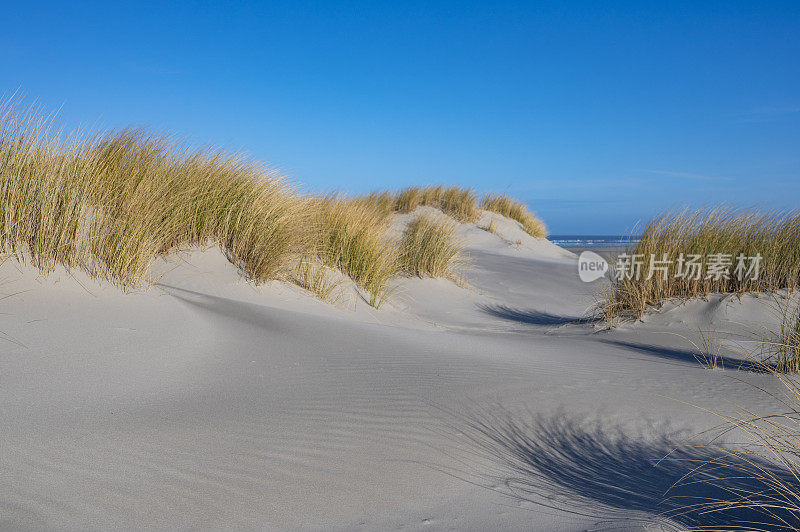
(593, 241)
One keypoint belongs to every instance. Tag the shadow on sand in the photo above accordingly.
(580, 468)
(687, 355)
(531, 317)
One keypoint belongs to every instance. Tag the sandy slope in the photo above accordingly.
(207, 402)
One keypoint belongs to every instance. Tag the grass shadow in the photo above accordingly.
(602, 473)
(532, 317)
(687, 355)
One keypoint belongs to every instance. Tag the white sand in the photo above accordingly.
(206, 402)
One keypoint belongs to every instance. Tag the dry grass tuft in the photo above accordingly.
(510, 208)
(428, 248)
(408, 199)
(491, 227)
(349, 237)
(110, 204)
(775, 236)
(315, 277)
(787, 347)
(766, 464)
(460, 203)
(383, 202)
(780, 349)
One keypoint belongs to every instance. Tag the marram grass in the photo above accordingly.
(515, 210)
(773, 235)
(429, 248)
(765, 463)
(110, 204)
(349, 237)
(460, 203)
(491, 227)
(314, 276)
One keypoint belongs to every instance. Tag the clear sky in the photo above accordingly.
(598, 114)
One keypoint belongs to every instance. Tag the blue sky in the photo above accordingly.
(598, 114)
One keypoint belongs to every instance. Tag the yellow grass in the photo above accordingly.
(409, 199)
(428, 248)
(511, 208)
(773, 235)
(383, 202)
(786, 348)
(491, 227)
(349, 237)
(111, 203)
(765, 462)
(780, 347)
(460, 203)
(313, 276)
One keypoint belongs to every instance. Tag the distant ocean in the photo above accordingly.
(593, 241)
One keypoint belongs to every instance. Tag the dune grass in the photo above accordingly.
(774, 236)
(349, 236)
(408, 199)
(313, 275)
(382, 202)
(460, 203)
(428, 248)
(111, 203)
(787, 347)
(491, 227)
(708, 349)
(780, 348)
(767, 457)
(511, 208)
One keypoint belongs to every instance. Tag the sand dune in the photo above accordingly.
(206, 402)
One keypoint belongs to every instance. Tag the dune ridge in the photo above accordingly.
(111, 203)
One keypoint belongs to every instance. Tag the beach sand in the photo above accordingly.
(607, 252)
(203, 401)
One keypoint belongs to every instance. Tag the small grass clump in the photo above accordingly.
(383, 202)
(708, 349)
(460, 203)
(491, 227)
(428, 248)
(349, 237)
(773, 236)
(511, 208)
(313, 276)
(408, 199)
(788, 345)
(764, 463)
(780, 347)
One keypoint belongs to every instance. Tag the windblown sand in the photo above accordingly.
(203, 401)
